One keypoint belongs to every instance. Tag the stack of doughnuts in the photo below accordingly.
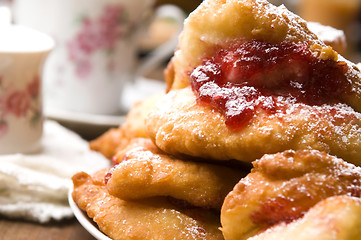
(257, 136)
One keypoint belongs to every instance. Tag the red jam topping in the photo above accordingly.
(277, 210)
(108, 176)
(249, 76)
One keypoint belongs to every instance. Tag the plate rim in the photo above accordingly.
(84, 118)
(84, 220)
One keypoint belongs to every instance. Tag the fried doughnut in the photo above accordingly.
(180, 126)
(333, 218)
(154, 218)
(251, 78)
(282, 187)
(222, 26)
(110, 142)
(144, 173)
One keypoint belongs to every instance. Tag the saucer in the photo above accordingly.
(88, 126)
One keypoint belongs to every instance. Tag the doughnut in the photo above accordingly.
(145, 173)
(282, 187)
(152, 218)
(178, 125)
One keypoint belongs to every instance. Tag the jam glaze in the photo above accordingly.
(251, 76)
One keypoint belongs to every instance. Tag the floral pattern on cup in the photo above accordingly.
(20, 103)
(97, 34)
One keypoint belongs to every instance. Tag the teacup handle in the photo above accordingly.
(156, 57)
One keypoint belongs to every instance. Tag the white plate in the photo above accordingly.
(84, 220)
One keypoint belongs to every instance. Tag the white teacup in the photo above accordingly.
(96, 52)
(23, 52)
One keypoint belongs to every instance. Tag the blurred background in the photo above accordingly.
(340, 14)
(344, 15)
(187, 5)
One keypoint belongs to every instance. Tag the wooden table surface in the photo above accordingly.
(22, 230)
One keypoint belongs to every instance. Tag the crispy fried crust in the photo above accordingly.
(333, 218)
(144, 173)
(154, 218)
(179, 125)
(142, 143)
(282, 187)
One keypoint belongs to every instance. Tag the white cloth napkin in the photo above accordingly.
(35, 186)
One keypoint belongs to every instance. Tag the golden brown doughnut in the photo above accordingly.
(219, 24)
(145, 173)
(282, 187)
(152, 218)
(180, 126)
